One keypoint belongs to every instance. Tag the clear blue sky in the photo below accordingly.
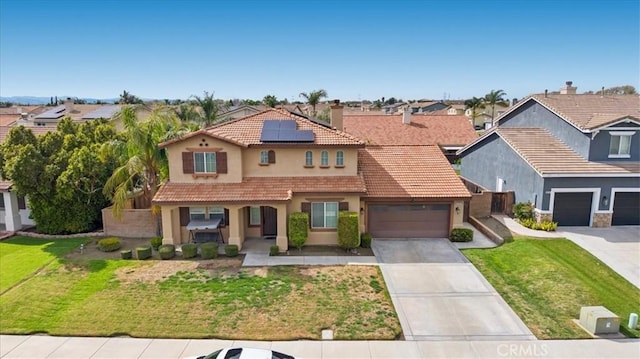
(352, 49)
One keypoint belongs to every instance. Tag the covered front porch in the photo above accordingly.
(233, 222)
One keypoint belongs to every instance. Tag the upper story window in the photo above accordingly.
(264, 157)
(620, 144)
(324, 215)
(308, 158)
(324, 158)
(339, 158)
(204, 162)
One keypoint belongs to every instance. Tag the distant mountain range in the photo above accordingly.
(34, 100)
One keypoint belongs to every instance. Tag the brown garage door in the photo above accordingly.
(626, 209)
(572, 208)
(409, 221)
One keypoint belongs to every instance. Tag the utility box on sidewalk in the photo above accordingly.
(599, 320)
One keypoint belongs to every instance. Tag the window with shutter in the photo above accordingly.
(272, 156)
(221, 162)
(187, 162)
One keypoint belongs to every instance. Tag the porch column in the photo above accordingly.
(168, 236)
(235, 227)
(282, 241)
(12, 212)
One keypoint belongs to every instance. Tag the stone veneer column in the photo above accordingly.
(602, 219)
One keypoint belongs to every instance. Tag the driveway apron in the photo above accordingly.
(439, 295)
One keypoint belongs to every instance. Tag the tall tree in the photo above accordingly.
(142, 164)
(313, 98)
(186, 112)
(208, 109)
(270, 101)
(127, 98)
(61, 173)
(493, 98)
(474, 104)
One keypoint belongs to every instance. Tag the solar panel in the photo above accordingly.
(55, 112)
(287, 135)
(270, 125)
(288, 124)
(269, 135)
(284, 131)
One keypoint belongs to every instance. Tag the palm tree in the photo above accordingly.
(495, 97)
(186, 112)
(474, 104)
(270, 101)
(143, 165)
(127, 98)
(209, 109)
(313, 98)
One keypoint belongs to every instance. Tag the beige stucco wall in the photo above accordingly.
(291, 162)
(323, 236)
(234, 160)
(458, 218)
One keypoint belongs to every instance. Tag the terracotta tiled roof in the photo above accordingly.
(588, 112)
(253, 189)
(425, 129)
(548, 155)
(246, 131)
(5, 185)
(409, 172)
(4, 131)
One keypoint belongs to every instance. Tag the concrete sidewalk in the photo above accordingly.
(42, 346)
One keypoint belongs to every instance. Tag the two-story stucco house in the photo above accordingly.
(575, 157)
(247, 175)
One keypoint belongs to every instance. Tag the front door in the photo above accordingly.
(269, 222)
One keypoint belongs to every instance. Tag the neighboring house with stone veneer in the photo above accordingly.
(575, 157)
(248, 175)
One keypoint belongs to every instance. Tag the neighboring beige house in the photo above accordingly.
(244, 177)
(14, 213)
(483, 116)
(240, 111)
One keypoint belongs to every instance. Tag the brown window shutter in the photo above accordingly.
(272, 156)
(343, 206)
(184, 216)
(187, 162)
(221, 162)
(306, 208)
(226, 217)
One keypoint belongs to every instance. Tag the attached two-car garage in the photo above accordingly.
(575, 208)
(409, 220)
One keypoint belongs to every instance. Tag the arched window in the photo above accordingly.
(324, 158)
(308, 158)
(339, 158)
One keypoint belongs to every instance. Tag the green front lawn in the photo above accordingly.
(194, 299)
(547, 281)
(21, 257)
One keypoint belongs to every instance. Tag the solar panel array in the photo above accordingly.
(103, 112)
(284, 131)
(55, 112)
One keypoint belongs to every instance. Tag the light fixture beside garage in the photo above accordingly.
(605, 201)
(457, 210)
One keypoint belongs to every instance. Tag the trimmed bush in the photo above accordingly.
(523, 210)
(126, 254)
(189, 250)
(231, 250)
(365, 240)
(156, 242)
(542, 226)
(143, 252)
(298, 228)
(274, 250)
(167, 251)
(461, 235)
(109, 244)
(348, 230)
(209, 250)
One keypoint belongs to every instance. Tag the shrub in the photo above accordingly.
(348, 230)
(523, 210)
(156, 242)
(167, 251)
(209, 250)
(365, 240)
(109, 244)
(461, 235)
(126, 254)
(189, 250)
(231, 250)
(143, 252)
(274, 250)
(548, 226)
(542, 226)
(298, 228)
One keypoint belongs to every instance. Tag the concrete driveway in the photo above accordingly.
(618, 247)
(439, 295)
